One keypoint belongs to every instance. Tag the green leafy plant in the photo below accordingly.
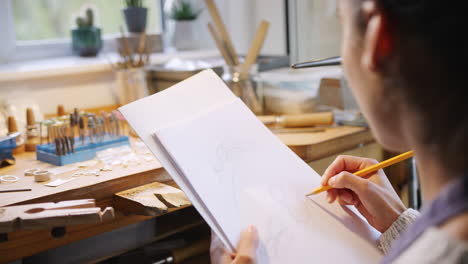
(87, 21)
(134, 3)
(184, 11)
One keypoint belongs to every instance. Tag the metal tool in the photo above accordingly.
(91, 128)
(58, 147)
(72, 143)
(82, 130)
(15, 190)
(333, 61)
(40, 133)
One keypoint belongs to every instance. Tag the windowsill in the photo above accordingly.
(73, 65)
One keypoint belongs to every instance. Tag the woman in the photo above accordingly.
(404, 61)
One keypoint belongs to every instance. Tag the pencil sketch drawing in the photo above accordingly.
(226, 161)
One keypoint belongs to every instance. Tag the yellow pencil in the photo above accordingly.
(371, 169)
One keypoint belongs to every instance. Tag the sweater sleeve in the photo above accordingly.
(399, 226)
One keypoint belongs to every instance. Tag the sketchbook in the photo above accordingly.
(236, 172)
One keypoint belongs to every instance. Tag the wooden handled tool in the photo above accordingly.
(30, 119)
(220, 45)
(13, 128)
(49, 215)
(210, 4)
(61, 110)
(300, 120)
(31, 131)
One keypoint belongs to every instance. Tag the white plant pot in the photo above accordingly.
(184, 35)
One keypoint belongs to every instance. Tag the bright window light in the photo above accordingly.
(53, 19)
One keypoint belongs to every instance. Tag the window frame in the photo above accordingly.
(14, 50)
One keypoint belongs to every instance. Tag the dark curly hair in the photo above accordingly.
(427, 72)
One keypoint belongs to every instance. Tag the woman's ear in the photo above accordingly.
(378, 40)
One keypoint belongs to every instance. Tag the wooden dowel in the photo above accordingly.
(255, 48)
(141, 48)
(299, 120)
(126, 47)
(210, 4)
(220, 45)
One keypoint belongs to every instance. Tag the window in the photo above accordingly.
(315, 30)
(46, 19)
(42, 27)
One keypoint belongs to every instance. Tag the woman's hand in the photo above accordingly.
(374, 197)
(246, 249)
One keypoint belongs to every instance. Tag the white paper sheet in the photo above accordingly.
(244, 175)
(181, 101)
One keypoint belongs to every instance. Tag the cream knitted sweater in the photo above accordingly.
(433, 246)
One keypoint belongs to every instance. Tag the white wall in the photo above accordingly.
(83, 91)
(243, 17)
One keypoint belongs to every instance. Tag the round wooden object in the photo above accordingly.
(41, 176)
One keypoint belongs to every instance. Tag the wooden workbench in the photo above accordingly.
(309, 146)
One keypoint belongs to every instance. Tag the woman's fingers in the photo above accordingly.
(246, 248)
(344, 196)
(332, 194)
(350, 181)
(346, 163)
(248, 243)
(347, 197)
(374, 197)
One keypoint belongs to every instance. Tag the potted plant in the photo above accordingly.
(135, 16)
(86, 38)
(182, 28)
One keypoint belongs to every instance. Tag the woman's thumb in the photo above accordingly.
(247, 247)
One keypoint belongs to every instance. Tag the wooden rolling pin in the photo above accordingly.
(300, 120)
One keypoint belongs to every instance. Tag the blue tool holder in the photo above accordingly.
(6, 148)
(83, 150)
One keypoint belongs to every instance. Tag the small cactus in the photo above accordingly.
(90, 17)
(80, 22)
(87, 21)
(134, 3)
